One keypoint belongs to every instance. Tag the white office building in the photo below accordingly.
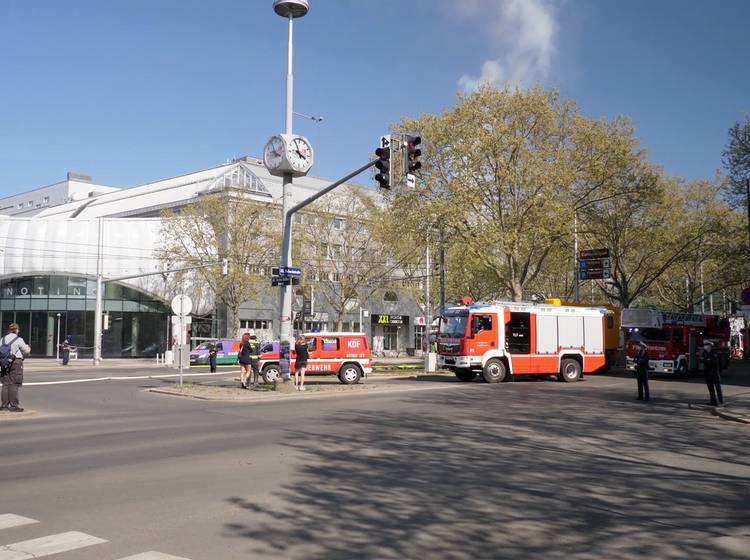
(52, 239)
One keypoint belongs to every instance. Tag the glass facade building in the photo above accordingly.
(137, 321)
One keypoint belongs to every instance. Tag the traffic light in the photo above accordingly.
(384, 167)
(412, 153)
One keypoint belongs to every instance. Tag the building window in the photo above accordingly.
(20, 205)
(30, 203)
(38, 205)
(45, 200)
(261, 325)
(390, 337)
(419, 339)
(299, 218)
(338, 224)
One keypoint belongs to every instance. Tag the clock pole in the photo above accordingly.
(289, 9)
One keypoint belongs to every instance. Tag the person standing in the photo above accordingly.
(243, 357)
(641, 371)
(66, 352)
(254, 357)
(712, 373)
(212, 351)
(300, 364)
(11, 375)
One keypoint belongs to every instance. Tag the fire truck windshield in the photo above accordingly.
(453, 324)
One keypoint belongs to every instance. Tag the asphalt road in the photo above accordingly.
(532, 469)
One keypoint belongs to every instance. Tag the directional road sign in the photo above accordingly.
(281, 281)
(594, 254)
(286, 271)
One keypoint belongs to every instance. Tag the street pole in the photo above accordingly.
(427, 311)
(99, 298)
(576, 272)
(442, 272)
(285, 303)
(57, 353)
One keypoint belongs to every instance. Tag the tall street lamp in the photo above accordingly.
(287, 155)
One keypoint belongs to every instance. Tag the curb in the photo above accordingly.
(720, 412)
(17, 415)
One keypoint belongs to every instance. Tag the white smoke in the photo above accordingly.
(522, 35)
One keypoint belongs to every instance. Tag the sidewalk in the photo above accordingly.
(50, 364)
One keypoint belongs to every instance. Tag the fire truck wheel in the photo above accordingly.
(350, 373)
(570, 370)
(270, 373)
(465, 374)
(494, 371)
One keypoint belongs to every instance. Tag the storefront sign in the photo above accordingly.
(390, 319)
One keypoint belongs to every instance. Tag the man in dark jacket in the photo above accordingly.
(641, 371)
(12, 379)
(711, 373)
(212, 351)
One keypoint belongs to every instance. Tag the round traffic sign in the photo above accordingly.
(182, 305)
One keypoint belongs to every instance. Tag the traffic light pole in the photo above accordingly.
(285, 327)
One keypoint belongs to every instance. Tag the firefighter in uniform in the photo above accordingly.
(641, 371)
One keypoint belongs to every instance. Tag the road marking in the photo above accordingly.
(153, 555)
(45, 546)
(8, 520)
(123, 378)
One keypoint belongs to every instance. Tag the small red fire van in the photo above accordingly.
(345, 354)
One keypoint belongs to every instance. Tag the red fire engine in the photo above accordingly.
(500, 340)
(673, 340)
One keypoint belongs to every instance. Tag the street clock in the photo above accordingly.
(288, 154)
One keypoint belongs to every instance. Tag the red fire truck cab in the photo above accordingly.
(500, 340)
(673, 340)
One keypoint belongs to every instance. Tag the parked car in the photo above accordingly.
(226, 352)
(345, 354)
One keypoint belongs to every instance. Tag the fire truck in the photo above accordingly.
(673, 340)
(504, 339)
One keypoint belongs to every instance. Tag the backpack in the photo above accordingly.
(6, 355)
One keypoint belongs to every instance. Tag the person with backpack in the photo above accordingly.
(13, 348)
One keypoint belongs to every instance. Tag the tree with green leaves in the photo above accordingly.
(224, 225)
(736, 159)
(341, 248)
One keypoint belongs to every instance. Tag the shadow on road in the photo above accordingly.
(518, 475)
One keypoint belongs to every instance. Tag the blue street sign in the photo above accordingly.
(290, 271)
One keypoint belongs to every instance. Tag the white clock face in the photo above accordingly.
(300, 154)
(273, 155)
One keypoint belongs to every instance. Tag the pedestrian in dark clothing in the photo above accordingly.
(212, 351)
(712, 373)
(12, 378)
(66, 352)
(641, 371)
(300, 364)
(248, 357)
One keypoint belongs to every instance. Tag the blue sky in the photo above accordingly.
(131, 91)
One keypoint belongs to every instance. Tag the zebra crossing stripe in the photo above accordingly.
(153, 555)
(45, 546)
(8, 520)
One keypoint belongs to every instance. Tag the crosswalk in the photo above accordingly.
(58, 543)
